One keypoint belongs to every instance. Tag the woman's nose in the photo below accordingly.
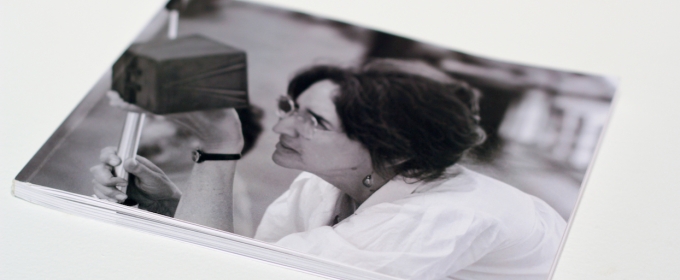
(286, 126)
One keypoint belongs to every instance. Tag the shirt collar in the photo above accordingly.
(395, 189)
(400, 187)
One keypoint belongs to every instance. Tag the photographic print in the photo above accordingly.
(337, 142)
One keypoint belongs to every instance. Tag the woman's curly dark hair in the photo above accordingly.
(413, 121)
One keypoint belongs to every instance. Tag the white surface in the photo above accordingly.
(52, 52)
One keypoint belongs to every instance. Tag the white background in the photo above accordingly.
(52, 52)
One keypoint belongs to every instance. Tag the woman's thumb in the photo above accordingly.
(138, 169)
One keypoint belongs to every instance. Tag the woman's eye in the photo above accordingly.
(321, 125)
(315, 120)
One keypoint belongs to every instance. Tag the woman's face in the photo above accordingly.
(328, 150)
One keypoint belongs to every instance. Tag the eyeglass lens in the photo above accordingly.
(287, 107)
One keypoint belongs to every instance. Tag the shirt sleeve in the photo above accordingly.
(308, 203)
(404, 240)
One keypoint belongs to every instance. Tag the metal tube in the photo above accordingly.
(132, 130)
(173, 21)
(129, 142)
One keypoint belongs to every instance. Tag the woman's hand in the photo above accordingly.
(116, 101)
(153, 190)
(219, 131)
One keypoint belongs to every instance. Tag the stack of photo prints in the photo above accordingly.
(326, 147)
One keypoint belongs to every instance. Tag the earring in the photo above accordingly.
(368, 181)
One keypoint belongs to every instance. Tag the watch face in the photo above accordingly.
(195, 156)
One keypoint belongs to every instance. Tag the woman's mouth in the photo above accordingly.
(281, 145)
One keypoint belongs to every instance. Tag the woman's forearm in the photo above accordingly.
(208, 200)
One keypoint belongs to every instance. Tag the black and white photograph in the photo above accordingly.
(352, 146)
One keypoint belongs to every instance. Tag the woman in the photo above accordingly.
(381, 188)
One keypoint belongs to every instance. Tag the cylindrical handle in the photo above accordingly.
(173, 21)
(129, 142)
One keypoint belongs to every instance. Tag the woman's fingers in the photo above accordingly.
(152, 181)
(102, 175)
(148, 164)
(218, 129)
(144, 172)
(108, 156)
(116, 101)
(99, 195)
(104, 183)
(109, 193)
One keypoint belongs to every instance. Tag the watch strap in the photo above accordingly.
(200, 156)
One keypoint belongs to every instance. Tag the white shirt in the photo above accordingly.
(467, 227)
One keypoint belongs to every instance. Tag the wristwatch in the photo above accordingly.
(199, 156)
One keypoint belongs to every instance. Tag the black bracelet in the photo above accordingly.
(199, 156)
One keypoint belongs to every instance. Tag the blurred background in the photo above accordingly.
(543, 124)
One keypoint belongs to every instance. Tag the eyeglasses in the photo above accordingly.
(287, 107)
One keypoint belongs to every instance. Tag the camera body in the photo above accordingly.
(189, 73)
